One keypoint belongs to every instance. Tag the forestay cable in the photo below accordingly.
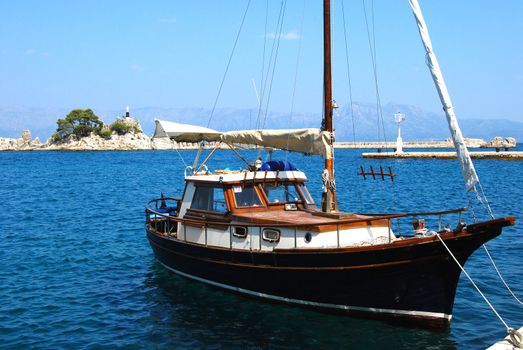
(509, 329)
(516, 338)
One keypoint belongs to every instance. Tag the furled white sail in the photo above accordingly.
(308, 141)
(467, 168)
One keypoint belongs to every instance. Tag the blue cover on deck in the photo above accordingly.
(277, 165)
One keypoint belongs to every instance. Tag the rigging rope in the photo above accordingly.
(510, 330)
(482, 198)
(382, 135)
(372, 48)
(500, 276)
(179, 154)
(272, 57)
(348, 70)
(229, 62)
(263, 53)
(295, 77)
(284, 4)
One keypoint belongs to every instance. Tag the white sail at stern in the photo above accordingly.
(467, 168)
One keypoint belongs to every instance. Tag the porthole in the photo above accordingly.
(308, 237)
(271, 235)
(239, 231)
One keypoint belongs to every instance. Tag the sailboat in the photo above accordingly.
(258, 232)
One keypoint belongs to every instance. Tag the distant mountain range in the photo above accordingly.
(419, 125)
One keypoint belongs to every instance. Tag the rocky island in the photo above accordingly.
(81, 130)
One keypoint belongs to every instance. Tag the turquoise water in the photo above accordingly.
(77, 271)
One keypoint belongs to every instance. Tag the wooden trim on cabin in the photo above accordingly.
(229, 198)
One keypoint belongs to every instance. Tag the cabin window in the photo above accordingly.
(281, 193)
(308, 237)
(306, 193)
(246, 196)
(239, 231)
(271, 235)
(209, 199)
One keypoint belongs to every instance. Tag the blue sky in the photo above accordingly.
(108, 54)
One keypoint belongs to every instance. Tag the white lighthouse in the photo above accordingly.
(399, 118)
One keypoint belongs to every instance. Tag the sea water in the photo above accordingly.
(77, 271)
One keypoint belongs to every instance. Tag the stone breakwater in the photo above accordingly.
(497, 142)
(510, 155)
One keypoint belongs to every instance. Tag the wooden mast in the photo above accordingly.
(329, 202)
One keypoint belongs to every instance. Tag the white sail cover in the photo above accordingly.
(308, 141)
(467, 168)
(184, 132)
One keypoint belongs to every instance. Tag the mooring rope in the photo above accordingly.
(515, 336)
(500, 276)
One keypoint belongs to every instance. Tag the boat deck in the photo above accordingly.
(310, 219)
